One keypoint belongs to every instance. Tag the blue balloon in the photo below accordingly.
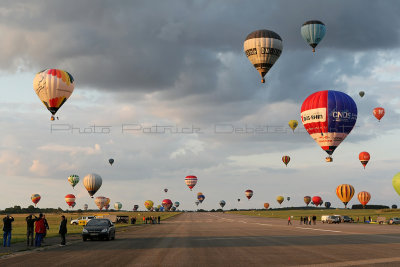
(313, 32)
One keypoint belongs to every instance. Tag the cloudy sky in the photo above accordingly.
(180, 65)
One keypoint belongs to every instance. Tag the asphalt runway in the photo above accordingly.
(217, 239)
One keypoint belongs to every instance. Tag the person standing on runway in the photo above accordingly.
(63, 229)
(7, 230)
(289, 222)
(30, 227)
(301, 220)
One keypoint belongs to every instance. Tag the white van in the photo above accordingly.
(330, 219)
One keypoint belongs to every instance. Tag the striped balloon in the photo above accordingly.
(345, 193)
(92, 183)
(313, 32)
(35, 198)
(117, 205)
(364, 198)
(73, 180)
(70, 199)
(100, 202)
(191, 181)
(263, 48)
(248, 193)
(286, 160)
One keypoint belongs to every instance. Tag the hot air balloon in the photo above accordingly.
(176, 204)
(288, 198)
(266, 205)
(329, 116)
(316, 200)
(307, 200)
(378, 113)
(53, 88)
(263, 48)
(238, 199)
(166, 190)
(197, 202)
(35, 198)
(201, 198)
(70, 199)
(327, 205)
(361, 93)
(111, 161)
(286, 160)
(117, 205)
(73, 180)
(396, 182)
(248, 193)
(159, 208)
(73, 205)
(85, 207)
(100, 202)
(364, 198)
(364, 158)
(92, 183)
(107, 201)
(313, 31)
(191, 181)
(148, 204)
(293, 124)
(222, 203)
(167, 204)
(280, 199)
(173, 209)
(135, 207)
(107, 206)
(345, 193)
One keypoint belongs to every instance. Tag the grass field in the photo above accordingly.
(19, 224)
(360, 213)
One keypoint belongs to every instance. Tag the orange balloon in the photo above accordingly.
(364, 197)
(364, 158)
(266, 205)
(379, 113)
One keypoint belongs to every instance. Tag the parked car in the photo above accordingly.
(82, 220)
(394, 220)
(98, 229)
(330, 219)
(345, 218)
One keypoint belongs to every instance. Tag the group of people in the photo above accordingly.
(37, 225)
(308, 219)
(151, 220)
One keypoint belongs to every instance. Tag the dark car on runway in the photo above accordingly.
(345, 218)
(99, 229)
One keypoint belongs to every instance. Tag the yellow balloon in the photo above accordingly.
(280, 199)
(396, 183)
(148, 204)
(293, 124)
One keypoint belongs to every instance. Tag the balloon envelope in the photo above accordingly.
(345, 193)
(329, 116)
(327, 205)
(117, 205)
(307, 200)
(73, 179)
(263, 48)
(364, 157)
(379, 113)
(191, 181)
(293, 124)
(167, 204)
(313, 32)
(148, 204)
(280, 199)
(92, 183)
(364, 197)
(361, 93)
(100, 202)
(35, 198)
(70, 199)
(222, 203)
(111, 161)
(285, 160)
(248, 193)
(316, 200)
(266, 205)
(53, 87)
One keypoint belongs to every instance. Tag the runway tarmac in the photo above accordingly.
(217, 239)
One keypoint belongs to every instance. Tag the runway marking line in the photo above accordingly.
(355, 263)
(316, 229)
